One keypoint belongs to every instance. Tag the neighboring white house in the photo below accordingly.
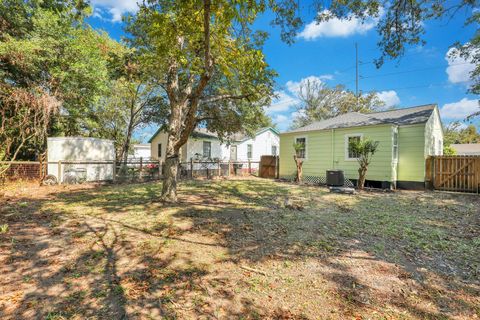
(141, 151)
(466, 149)
(80, 159)
(243, 148)
(203, 144)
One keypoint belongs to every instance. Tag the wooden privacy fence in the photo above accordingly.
(453, 173)
(268, 167)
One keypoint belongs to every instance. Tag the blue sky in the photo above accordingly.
(326, 53)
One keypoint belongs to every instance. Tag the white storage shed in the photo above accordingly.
(75, 159)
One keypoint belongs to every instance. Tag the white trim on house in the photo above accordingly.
(306, 145)
(395, 154)
(347, 136)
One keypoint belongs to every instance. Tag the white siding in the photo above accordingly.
(162, 139)
(434, 135)
(261, 145)
(195, 146)
(81, 149)
(141, 151)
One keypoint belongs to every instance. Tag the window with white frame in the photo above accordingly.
(440, 147)
(207, 149)
(249, 151)
(349, 152)
(301, 142)
(274, 150)
(395, 144)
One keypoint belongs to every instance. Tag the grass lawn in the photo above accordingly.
(237, 249)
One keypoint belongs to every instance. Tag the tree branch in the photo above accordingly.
(224, 97)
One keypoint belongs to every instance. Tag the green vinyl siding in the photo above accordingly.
(411, 153)
(326, 150)
(317, 152)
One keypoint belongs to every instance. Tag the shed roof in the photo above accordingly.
(466, 148)
(412, 115)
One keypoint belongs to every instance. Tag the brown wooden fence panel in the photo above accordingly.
(454, 173)
(268, 167)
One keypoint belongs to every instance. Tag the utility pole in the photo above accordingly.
(356, 71)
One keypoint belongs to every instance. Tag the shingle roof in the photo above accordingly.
(403, 116)
(204, 133)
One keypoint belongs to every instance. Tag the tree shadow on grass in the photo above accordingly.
(63, 264)
(124, 228)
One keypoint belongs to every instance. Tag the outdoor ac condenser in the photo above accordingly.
(335, 178)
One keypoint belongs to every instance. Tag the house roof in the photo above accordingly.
(242, 136)
(413, 115)
(204, 133)
(466, 148)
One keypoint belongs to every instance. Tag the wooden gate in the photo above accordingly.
(268, 167)
(454, 173)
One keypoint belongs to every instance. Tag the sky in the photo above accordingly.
(326, 53)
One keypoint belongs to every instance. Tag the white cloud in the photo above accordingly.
(458, 69)
(337, 27)
(459, 110)
(283, 102)
(389, 97)
(115, 8)
(280, 119)
(294, 86)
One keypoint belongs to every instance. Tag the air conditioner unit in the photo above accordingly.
(335, 178)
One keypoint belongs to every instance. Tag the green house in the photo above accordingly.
(406, 138)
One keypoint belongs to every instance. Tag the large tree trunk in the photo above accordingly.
(172, 156)
(169, 190)
(183, 106)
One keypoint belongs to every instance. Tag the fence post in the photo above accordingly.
(191, 168)
(229, 167)
(477, 170)
(428, 172)
(114, 170)
(140, 174)
(249, 167)
(277, 167)
(59, 173)
(219, 168)
(160, 168)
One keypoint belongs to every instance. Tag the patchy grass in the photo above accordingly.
(236, 249)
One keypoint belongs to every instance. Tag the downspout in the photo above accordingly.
(333, 148)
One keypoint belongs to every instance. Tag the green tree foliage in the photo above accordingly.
(402, 24)
(210, 65)
(455, 133)
(449, 151)
(320, 102)
(48, 53)
(130, 105)
(364, 149)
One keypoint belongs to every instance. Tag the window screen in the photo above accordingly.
(207, 149)
(301, 151)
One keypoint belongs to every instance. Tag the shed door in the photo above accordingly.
(233, 153)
